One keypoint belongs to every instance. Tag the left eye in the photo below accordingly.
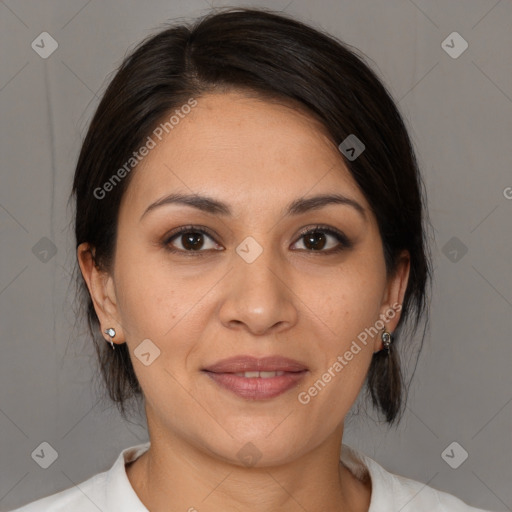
(317, 240)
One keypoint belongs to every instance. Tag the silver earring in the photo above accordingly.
(111, 332)
(386, 339)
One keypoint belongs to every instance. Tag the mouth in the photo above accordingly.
(261, 375)
(257, 378)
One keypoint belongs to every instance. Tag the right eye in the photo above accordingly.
(190, 239)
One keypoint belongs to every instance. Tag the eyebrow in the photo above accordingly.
(215, 207)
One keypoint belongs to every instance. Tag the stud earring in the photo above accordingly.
(111, 332)
(386, 339)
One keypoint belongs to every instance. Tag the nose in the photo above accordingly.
(258, 297)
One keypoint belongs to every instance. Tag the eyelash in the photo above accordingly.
(344, 242)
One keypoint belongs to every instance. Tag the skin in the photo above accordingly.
(293, 301)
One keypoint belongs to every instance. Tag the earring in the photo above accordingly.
(386, 340)
(111, 332)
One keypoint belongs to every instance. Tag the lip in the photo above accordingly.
(239, 364)
(224, 373)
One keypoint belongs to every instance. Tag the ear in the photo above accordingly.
(394, 294)
(102, 292)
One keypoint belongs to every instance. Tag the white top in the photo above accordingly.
(111, 490)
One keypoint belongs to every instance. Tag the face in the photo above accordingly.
(258, 272)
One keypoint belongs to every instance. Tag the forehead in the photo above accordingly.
(234, 146)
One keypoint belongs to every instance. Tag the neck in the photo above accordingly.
(173, 475)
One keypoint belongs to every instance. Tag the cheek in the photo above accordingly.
(351, 299)
(159, 300)
(147, 297)
(343, 338)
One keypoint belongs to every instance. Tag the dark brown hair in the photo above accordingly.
(279, 58)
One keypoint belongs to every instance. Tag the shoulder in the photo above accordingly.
(79, 498)
(392, 492)
(109, 490)
(417, 496)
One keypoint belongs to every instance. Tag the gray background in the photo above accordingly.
(459, 111)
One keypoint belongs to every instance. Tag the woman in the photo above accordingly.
(250, 233)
